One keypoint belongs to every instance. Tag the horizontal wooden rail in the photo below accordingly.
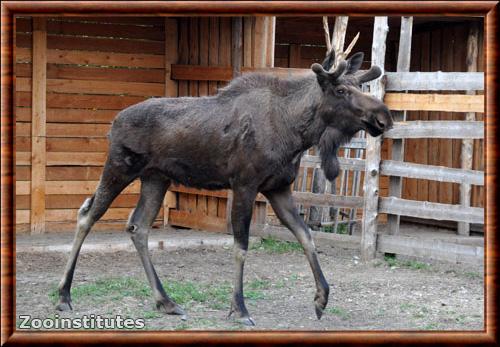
(345, 163)
(399, 81)
(312, 199)
(431, 172)
(431, 210)
(434, 102)
(396, 81)
(436, 129)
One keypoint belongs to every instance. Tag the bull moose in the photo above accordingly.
(249, 138)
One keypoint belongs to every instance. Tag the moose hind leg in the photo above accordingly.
(241, 215)
(153, 190)
(92, 209)
(282, 202)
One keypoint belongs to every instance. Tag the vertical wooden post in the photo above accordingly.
(236, 54)
(403, 65)
(236, 45)
(171, 90)
(247, 41)
(468, 144)
(271, 32)
(260, 42)
(38, 125)
(373, 149)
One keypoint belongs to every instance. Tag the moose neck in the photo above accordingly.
(305, 119)
(306, 123)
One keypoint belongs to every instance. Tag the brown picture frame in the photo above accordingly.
(9, 335)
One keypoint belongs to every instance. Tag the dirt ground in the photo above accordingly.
(384, 294)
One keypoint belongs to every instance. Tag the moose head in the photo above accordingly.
(345, 105)
(345, 108)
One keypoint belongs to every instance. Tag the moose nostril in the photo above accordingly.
(380, 123)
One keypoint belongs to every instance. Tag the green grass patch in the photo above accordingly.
(473, 275)
(392, 261)
(216, 295)
(341, 229)
(273, 245)
(338, 311)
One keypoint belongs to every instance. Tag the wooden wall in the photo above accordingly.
(441, 47)
(95, 68)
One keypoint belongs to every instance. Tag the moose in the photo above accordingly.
(249, 138)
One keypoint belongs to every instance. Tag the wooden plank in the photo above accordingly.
(437, 129)
(345, 163)
(95, 87)
(77, 130)
(435, 102)
(204, 52)
(213, 53)
(431, 172)
(63, 201)
(468, 144)
(71, 187)
(197, 221)
(59, 215)
(73, 173)
(324, 199)
(435, 249)
(84, 144)
(431, 210)
(38, 130)
(100, 44)
(68, 115)
(65, 158)
(60, 26)
(107, 59)
(194, 51)
(103, 102)
(215, 193)
(236, 45)
(373, 149)
(260, 41)
(294, 56)
(171, 90)
(85, 72)
(270, 40)
(247, 41)
(438, 81)
(403, 65)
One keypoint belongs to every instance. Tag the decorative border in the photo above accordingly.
(486, 9)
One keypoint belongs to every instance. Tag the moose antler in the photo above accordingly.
(339, 36)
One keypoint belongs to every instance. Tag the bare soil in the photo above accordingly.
(378, 295)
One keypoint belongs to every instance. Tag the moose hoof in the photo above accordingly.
(170, 308)
(64, 305)
(247, 321)
(319, 305)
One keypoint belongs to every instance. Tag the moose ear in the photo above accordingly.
(354, 63)
(329, 60)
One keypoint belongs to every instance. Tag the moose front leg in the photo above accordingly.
(282, 202)
(241, 215)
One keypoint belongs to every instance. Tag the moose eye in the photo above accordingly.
(341, 91)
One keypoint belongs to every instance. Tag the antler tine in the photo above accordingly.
(343, 55)
(351, 45)
(327, 35)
